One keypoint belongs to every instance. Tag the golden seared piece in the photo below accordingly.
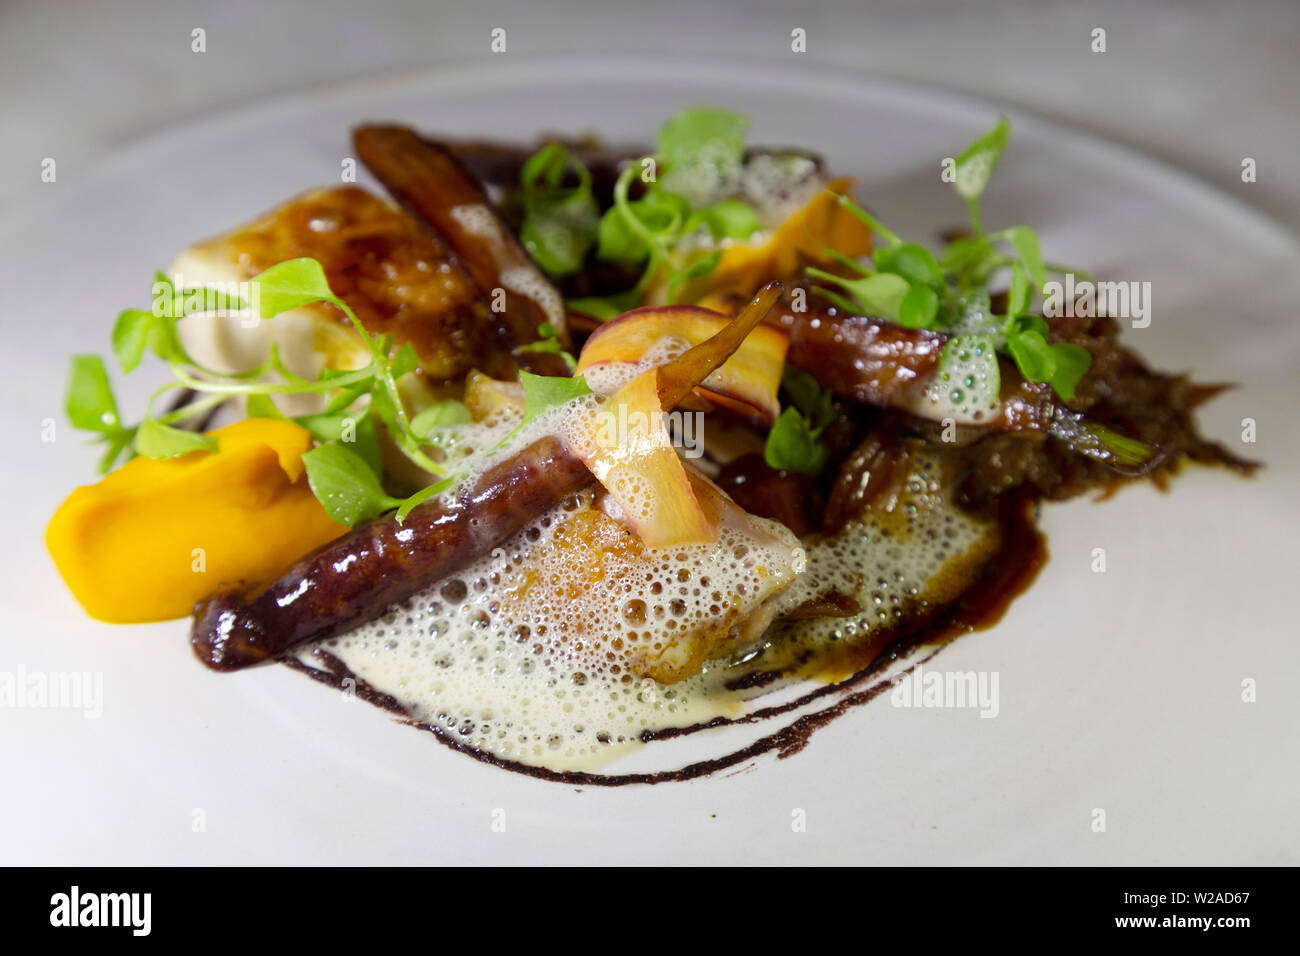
(665, 610)
(430, 183)
(394, 274)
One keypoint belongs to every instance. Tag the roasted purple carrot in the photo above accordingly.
(355, 578)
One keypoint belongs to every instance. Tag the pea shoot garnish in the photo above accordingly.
(344, 469)
(666, 229)
(795, 440)
(906, 284)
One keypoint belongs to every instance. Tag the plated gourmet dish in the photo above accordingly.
(558, 450)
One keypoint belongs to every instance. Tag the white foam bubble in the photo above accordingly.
(606, 378)
(965, 387)
(539, 652)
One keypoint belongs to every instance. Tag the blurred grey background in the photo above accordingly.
(1201, 85)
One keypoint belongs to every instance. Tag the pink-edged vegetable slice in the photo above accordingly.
(627, 447)
(625, 444)
(745, 384)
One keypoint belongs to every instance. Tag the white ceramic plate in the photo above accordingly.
(1119, 691)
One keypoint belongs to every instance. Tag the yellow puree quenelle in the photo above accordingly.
(154, 537)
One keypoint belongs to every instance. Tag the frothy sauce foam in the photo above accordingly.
(536, 653)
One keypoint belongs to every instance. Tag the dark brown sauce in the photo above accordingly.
(1006, 572)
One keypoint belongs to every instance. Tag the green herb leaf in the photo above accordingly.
(89, 400)
(166, 299)
(559, 235)
(354, 430)
(807, 394)
(261, 406)
(345, 484)
(1072, 361)
(1060, 364)
(115, 443)
(703, 131)
(1033, 356)
(543, 392)
(605, 308)
(913, 262)
(1026, 323)
(971, 260)
(166, 344)
(560, 225)
(406, 360)
(1018, 294)
(659, 213)
(547, 167)
(728, 219)
(153, 439)
(423, 495)
(550, 346)
(1025, 241)
(918, 308)
(346, 397)
(288, 285)
(879, 295)
(131, 334)
(699, 148)
(697, 269)
(977, 161)
(793, 445)
(171, 303)
(441, 415)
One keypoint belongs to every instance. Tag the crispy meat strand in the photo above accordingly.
(382, 562)
(870, 360)
(427, 180)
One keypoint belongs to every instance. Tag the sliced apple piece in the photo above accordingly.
(627, 447)
(746, 384)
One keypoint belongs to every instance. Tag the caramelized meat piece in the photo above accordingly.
(1121, 392)
(866, 359)
(784, 496)
(398, 278)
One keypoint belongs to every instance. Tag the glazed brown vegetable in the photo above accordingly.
(888, 366)
(377, 564)
(879, 363)
(785, 496)
(428, 181)
(869, 360)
